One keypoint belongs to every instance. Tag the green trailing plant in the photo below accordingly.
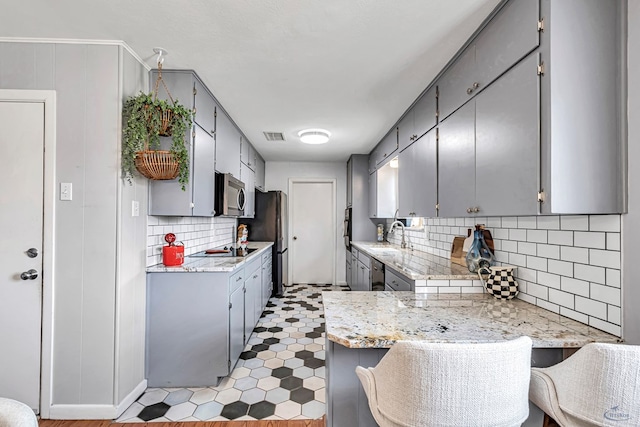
(142, 118)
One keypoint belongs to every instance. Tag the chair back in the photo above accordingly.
(600, 384)
(439, 384)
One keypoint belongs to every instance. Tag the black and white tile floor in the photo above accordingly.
(280, 375)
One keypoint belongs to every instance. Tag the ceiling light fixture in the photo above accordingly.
(314, 136)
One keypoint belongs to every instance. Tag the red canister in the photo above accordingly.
(172, 254)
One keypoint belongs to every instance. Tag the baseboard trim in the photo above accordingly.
(130, 398)
(342, 283)
(82, 412)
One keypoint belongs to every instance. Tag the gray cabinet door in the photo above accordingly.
(203, 173)
(508, 142)
(260, 170)
(509, 37)
(227, 145)
(236, 325)
(245, 150)
(456, 163)
(456, 84)
(373, 157)
(354, 272)
(348, 270)
(387, 147)
(349, 181)
(406, 130)
(373, 192)
(418, 178)
(425, 113)
(248, 177)
(205, 108)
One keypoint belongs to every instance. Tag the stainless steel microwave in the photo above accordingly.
(230, 195)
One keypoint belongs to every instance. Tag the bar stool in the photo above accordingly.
(420, 383)
(599, 385)
(16, 414)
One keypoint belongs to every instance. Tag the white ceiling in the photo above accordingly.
(352, 67)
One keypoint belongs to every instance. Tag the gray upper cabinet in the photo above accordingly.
(372, 195)
(247, 153)
(205, 108)
(489, 149)
(167, 197)
(349, 181)
(456, 162)
(583, 49)
(227, 145)
(384, 151)
(247, 176)
(418, 178)
(507, 38)
(384, 192)
(260, 171)
(419, 119)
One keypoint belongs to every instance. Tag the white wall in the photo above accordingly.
(631, 221)
(277, 176)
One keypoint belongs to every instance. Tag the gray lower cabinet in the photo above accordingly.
(348, 269)
(418, 178)
(252, 297)
(363, 273)
(396, 282)
(192, 325)
(354, 268)
(267, 280)
(236, 318)
(488, 149)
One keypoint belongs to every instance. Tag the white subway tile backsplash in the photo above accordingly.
(510, 222)
(573, 254)
(602, 258)
(526, 248)
(613, 241)
(467, 290)
(509, 246)
(562, 268)
(494, 222)
(604, 223)
(564, 299)
(517, 260)
(527, 298)
(580, 317)
(605, 326)
(560, 238)
(614, 314)
(550, 280)
(589, 239)
(500, 233)
(548, 251)
(536, 263)
(579, 287)
(538, 291)
(516, 234)
(590, 307)
(579, 222)
(590, 273)
(527, 222)
(527, 274)
(605, 294)
(548, 306)
(537, 236)
(549, 222)
(449, 290)
(613, 277)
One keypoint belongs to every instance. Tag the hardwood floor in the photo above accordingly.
(109, 423)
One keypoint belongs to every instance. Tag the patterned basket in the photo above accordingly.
(157, 164)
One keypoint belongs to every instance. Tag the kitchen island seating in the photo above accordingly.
(599, 385)
(419, 383)
(16, 414)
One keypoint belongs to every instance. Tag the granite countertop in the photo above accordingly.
(413, 264)
(212, 264)
(379, 319)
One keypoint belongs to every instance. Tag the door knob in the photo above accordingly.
(32, 252)
(295, 238)
(29, 275)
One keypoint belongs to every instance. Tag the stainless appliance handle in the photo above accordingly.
(244, 199)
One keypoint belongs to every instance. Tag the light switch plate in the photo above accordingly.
(66, 191)
(135, 208)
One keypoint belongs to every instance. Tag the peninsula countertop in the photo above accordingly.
(379, 319)
(414, 264)
(212, 264)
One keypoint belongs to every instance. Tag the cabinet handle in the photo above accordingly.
(415, 136)
(476, 209)
(255, 277)
(469, 210)
(469, 91)
(238, 279)
(476, 85)
(394, 282)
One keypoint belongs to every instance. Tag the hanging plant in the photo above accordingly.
(146, 118)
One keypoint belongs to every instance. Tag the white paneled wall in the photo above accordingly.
(196, 233)
(567, 264)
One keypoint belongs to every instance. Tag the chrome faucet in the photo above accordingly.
(403, 243)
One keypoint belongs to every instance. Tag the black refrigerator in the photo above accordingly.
(270, 225)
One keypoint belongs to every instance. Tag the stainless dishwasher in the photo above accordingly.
(377, 275)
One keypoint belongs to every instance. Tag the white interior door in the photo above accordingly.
(21, 216)
(313, 232)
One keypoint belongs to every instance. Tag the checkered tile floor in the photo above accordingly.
(280, 375)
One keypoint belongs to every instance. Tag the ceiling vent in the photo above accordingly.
(274, 136)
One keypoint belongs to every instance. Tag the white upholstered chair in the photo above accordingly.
(599, 385)
(432, 384)
(16, 414)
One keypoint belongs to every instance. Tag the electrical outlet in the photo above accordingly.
(135, 208)
(66, 191)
